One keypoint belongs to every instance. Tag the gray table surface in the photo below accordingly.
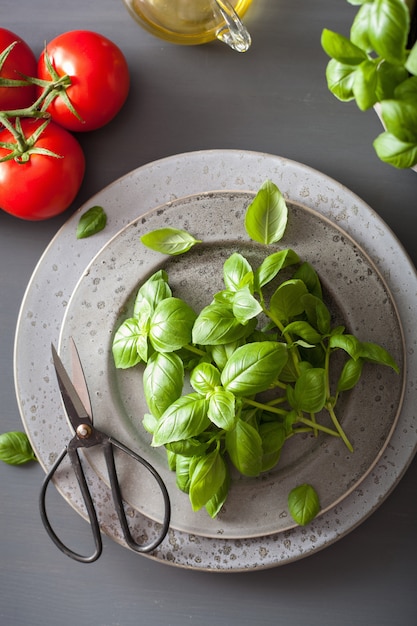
(272, 99)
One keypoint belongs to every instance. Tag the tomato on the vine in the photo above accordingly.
(20, 61)
(99, 79)
(36, 185)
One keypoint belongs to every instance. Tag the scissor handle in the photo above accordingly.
(118, 500)
(95, 527)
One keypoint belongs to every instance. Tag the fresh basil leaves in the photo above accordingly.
(91, 222)
(375, 66)
(15, 448)
(258, 362)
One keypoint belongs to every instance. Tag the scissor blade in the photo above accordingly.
(78, 378)
(74, 407)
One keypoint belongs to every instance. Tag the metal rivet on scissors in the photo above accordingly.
(77, 406)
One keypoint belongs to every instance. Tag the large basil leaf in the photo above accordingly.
(309, 392)
(184, 418)
(217, 324)
(171, 325)
(340, 80)
(392, 150)
(388, 29)
(253, 368)
(208, 476)
(163, 381)
(267, 215)
(287, 302)
(244, 446)
(124, 348)
(341, 48)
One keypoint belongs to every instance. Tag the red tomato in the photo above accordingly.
(44, 185)
(99, 79)
(20, 60)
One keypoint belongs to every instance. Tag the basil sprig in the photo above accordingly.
(375, 65)
(258, 366)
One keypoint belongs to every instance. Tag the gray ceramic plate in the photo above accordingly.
(105, 295)
(56, 285)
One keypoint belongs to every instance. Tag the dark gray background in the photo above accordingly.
(272, 99)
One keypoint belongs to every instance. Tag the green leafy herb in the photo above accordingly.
(91, 222)
(258, 360)
(303, 504)
(169, 241)
(15, 448)
(375, 66)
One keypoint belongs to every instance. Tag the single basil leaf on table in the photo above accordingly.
(172, 241)
(266, 216)
(91, 222)
(15, 448)
(303, 504)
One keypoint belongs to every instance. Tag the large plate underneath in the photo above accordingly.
(65, 260)
(355, 292)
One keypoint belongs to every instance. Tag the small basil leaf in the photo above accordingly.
(309, 392)
(187, 447)
(204, 378)
(152, 292)
(184, 418)
(253, 368)
(365, 85)
(163, 381)
(273, 435)
(350, 374)
(287, 302)
(317, 313)
(91, 222)
(411, 63)
(245, 306)
(377, 354)
(388, 29)
(168, 240)
(207, 478)
(223, 352)
(15, 448)
(392, 150)
(273, 263)
(125, 342)
(310, 278)
(267, 215)
(340, 80)
(303, 504)
(348, 343)
(359, 31)
(221, 410)
(341, 48)
(149, 423)
(182, 469)
(303, 330)
(214, 505)
(171, 325)
(400, 119)
(235, 269)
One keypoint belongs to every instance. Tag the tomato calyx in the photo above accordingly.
(11, 82)
(23, 147)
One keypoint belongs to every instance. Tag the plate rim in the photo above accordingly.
(235, 160)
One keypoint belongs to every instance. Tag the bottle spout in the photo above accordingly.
(232, 31)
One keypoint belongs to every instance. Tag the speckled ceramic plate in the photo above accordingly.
(55, 286)
(105, 295)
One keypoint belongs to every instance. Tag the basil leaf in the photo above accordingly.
(171, 460)
(350, 374)
(348, 343)
(163, 381)
(253, 368)
(222, 352)
(244, 446)
(221, 410)
(340, 80)
(266, 216)
(360, 27)
(235, 268)
(303, 504)
(91, 222)
(169, 240)
(152, 292)
(182, 469)
(303, 330)
(15, 448)
(149, 423)
(309, 393)
(125, 342)
(273, 436)
(377, 354)
(216, 324)
(317, 313)
(342, 49)
(400, 119)
(273, 263)
(390, 77)
(287, 299)
(310, 278)
(207, 478)
(187, 447)
(392, 150)
(245, 305)
(204, 378)
(171, 325)
(389, 22)
(184, 418)
(216, 502)
(365, 85)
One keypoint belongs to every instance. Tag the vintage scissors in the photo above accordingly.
(78, 409)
